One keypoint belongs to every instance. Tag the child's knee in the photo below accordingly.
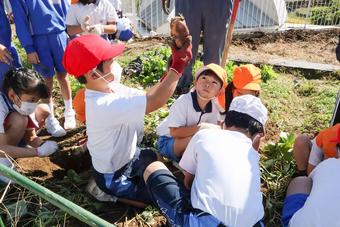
(42, 112)
(18, 121)
(153, 167)
(300, 185)
(301, 142)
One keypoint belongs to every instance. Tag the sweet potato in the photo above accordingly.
(179, 31)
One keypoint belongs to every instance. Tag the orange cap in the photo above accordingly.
(247, 77)
(74, 1)
(218, 70)
(79, 105)
(328, 139)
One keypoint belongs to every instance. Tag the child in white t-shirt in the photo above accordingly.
(91, 16)
(97, 17)
(191, 112)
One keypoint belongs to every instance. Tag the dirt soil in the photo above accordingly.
(311, 46)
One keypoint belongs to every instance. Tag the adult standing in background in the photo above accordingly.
(209, 17)
(8, 54)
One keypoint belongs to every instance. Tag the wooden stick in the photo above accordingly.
(229, 35)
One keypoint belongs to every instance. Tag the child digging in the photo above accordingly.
(21, 115)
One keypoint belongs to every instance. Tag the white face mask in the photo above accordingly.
(26, 108)
(116, 71)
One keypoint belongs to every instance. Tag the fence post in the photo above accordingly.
(308, 13)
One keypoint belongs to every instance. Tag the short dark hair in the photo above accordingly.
(244, 121)
(25, 81)
(210, 72)
(85, 2)
(229, 96)
(81, 79)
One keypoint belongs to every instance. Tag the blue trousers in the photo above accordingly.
(16, 63)
(209, 17)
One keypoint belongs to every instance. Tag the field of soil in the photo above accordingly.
(313, 46)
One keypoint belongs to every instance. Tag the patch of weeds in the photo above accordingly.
(151, 121)
(267, 73)
(154, 64)
(277, 166)
(198, 64)
(230, 70)
(306, 88)
(22, 53)
(75, 85)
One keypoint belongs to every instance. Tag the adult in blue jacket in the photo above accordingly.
(8, 54)
(40, 26)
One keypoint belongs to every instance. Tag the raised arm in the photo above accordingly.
(161, 92)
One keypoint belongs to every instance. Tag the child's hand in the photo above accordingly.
(5, 55)
(33, 58)
(86, 24)
(257, 141)
(181, 57)
(97, 29)
(47, 148)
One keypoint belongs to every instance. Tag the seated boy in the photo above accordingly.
(115, 114)
(309, 154)
(221, 167)
(246, 81)
(191, 112)
(314, 200)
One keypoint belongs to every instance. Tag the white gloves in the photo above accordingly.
(123, 24)
(47, 148)
(86, 24)
(124, 30)
(92, 29)
(97, 29)
(205, 125)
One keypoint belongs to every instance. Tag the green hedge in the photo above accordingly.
(326, 15)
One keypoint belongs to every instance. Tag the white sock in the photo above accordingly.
(68, 105)
(51, 116)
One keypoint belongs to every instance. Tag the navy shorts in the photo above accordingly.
(165, 146)
(173, 200)
(50, 49)
(127, 182)
(291, 205)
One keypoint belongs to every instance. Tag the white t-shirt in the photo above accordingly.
(322, 207)
(101, 12)
(4, 111)
(114, 125)
(185, 111)
(316, 154)
(227, 176)
(117, 4)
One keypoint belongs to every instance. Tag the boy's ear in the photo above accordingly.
(11, 94)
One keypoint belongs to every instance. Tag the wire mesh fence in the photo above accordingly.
(253, 15)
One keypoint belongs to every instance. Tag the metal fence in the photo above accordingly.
(253, 15)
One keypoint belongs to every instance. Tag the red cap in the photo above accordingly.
(85, 52)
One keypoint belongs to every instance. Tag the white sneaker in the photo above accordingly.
(53, 127)
(70, 119)
(95, 191)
